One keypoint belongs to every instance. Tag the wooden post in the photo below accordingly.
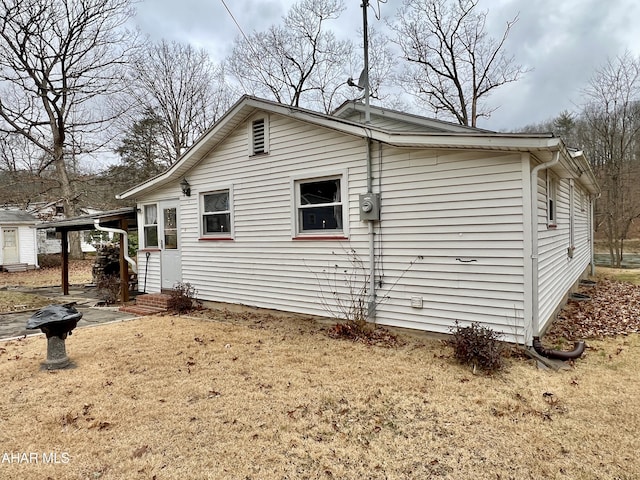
(124, 266)
(65, 262)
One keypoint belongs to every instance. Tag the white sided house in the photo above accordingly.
(455, 223)
(18, 240)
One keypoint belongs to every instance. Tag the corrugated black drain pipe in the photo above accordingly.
(577, 351)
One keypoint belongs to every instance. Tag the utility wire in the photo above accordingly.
(236, 22)
(249, 43)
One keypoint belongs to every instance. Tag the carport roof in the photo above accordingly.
(110, 218)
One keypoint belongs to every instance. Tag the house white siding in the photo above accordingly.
(263, 265)
(28, 245)
(456, 236)
(26, 238)
(463, 213)
(148, 271)
(558, 270)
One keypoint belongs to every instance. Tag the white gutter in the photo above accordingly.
(535, 307)
(125, 242)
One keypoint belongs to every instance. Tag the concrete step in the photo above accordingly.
(15, 267)
(142, 310)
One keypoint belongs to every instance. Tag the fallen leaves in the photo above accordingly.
(612, 309)
(364, 333)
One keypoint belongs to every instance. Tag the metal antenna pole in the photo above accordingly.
(367, 115)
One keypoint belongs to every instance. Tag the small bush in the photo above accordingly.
(108, 287)
(182, 298)
(477, 346)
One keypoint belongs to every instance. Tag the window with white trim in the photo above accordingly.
(319, 206)
(150, 226)
(216, 214)
(259, 136)
(552, 196)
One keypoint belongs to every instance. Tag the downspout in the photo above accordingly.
(592, 202)
(125, 242)
(535, 308)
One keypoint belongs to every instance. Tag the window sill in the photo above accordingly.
(552, 226)
(260, 154)
(150, 249)
(321, 237)
(214, 239)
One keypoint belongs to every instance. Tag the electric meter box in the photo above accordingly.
(369, 207)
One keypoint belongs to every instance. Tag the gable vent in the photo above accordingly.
(258, 129)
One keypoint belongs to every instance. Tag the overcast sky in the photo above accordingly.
(562, 41)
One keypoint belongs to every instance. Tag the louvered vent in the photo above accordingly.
(258, 136)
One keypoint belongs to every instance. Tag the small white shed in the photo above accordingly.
(270, 201)
(18, 240)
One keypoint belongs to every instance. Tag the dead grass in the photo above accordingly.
(18, 301)
(260, 396)
(630, 275)
(630, 246)
(79, 273)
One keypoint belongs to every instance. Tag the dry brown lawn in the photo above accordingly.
(79, 273)
(265, 396)
(630, 275)
(15, 301)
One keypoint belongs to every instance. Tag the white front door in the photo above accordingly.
(10, 252)
(171, 268)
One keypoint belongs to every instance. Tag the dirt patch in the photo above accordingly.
(259, 395)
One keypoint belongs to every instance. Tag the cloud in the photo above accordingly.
(563, 42)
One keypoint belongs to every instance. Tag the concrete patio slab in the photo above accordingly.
(14, 324)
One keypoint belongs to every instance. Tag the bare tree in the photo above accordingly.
(183, 89)
(453, 64)
(612, 138)
(57, 59)
(300, 63)
(382, 62)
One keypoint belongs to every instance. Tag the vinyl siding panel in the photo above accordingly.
(28, 245)
(149, 272)
(459, 215)
(462, 212)
(558, 272)
(263, 265)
